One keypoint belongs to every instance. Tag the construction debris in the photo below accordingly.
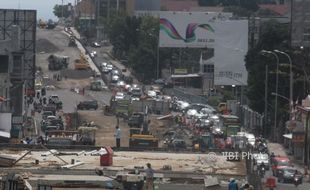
(211, 181)
(6, 161)
(50, 152)
(72, 165)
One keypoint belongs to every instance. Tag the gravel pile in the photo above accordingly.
(44, 45)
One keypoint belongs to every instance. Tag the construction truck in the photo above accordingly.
(57, 62)
(41, 24)
(82, 63)
(72, 42)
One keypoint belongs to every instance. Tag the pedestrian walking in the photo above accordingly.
(118, 137)
(233, 185)
(149, 177)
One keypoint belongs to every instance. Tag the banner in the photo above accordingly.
(228, 40)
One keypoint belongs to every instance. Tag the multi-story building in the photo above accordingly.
(300, 32)
(17, 70)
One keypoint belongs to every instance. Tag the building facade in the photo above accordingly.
(300, 32)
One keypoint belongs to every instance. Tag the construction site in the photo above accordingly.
(71, 116)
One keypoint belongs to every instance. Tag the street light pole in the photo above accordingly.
(277, 86)
(266, 98)
(157, 68)
(291, 82)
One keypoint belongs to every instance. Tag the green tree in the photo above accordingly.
(61, 10)
(273, 36)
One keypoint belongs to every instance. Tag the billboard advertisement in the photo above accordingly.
(227, 38)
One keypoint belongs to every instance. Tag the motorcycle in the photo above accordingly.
(297, 181)
(262, 172)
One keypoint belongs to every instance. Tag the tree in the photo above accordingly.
(273, 36)
(61, 10)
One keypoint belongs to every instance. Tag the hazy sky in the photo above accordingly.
(44, 7)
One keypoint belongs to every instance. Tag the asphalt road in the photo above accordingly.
(288, 186)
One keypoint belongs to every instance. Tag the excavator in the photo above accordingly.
(82, 63)
(142, 137)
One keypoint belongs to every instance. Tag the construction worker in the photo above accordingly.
(118, 137)
(149, 177)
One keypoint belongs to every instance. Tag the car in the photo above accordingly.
(136, 92)
(115, 72)
(45, 114)
(93, 54)
(280, 162)
(110, 67)
(87, 105)
(287, 175)
(105, 70)
(53, 97)
(151, 93)
(121, 84)
(103, 64)
(95, 44)
(119, 96)
(115, 78)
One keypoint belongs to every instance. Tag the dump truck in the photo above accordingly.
(57, 62)
(82, 63)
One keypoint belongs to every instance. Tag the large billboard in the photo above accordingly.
(228, 39)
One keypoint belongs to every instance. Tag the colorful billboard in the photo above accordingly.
(228, 38)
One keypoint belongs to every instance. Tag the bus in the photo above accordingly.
(230, 125)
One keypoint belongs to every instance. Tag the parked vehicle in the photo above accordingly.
(290, 175)
(87, 105)
(280, 162)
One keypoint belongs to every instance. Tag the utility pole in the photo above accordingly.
(62, 9)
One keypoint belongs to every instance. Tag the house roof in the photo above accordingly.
(279, 9)
(178, 5)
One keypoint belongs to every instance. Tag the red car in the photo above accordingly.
(278, 163)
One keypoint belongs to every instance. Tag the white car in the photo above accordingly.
(115, 78)
(110, 67)
(103, 64)
(119, 96)
(121, 84)
(93, 54)
(105, 70)
(151, 93)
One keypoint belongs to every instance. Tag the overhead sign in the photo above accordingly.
(180, 71)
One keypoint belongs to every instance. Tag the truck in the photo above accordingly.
(230, 125)
(57, 62)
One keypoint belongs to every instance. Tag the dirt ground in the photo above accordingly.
(106, 128)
